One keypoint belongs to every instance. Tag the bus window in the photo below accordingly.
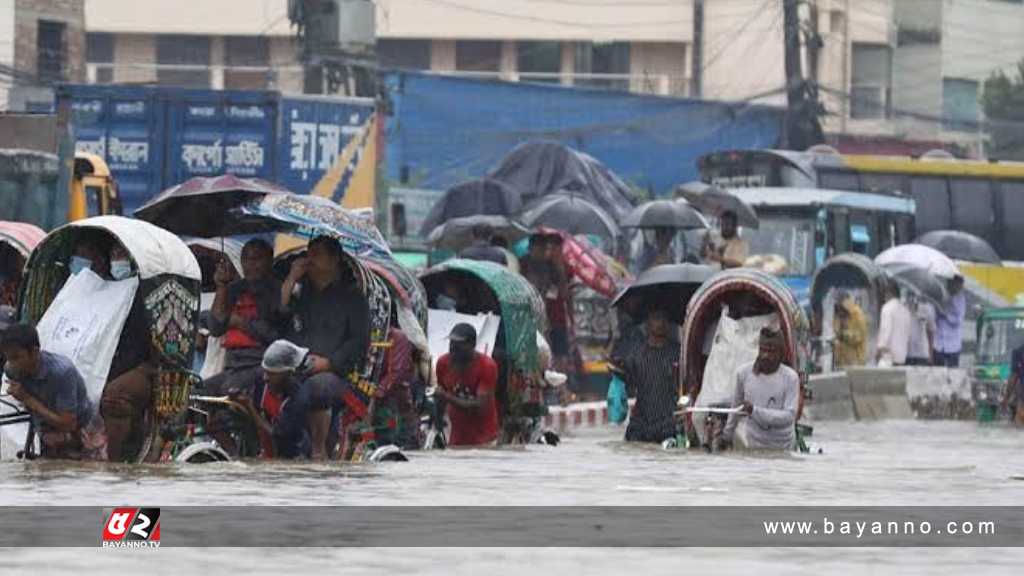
(839, 180)
(932, 198)
(860, 239)
(972, 207)
(877, 182)
(94, 200)
(1011, 215)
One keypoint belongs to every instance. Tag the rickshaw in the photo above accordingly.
(491, 288)
(864, 281)
(17, 240)
(1000, 332)
(168, 282)
(749, 293)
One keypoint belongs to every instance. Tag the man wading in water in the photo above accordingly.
(649, 368)
(767, 392)
(466, 381)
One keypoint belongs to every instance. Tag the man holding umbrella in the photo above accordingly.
(649, 369)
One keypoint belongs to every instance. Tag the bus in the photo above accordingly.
(983, 198)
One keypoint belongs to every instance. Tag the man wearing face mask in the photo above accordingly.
(466, 380)
(130, 380)
(767, 393)
(88, 253)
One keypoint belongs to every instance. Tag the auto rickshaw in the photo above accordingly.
(168, 282)
(864, 281)
(1000, 332)
(747, 293)
(490, 288)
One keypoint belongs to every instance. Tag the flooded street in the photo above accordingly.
(890, 463)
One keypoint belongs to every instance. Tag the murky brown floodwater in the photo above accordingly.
(888, 463)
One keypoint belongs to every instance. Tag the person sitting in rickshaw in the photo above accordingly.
(394, 396)
(50, 388)
(767, 393)
(648, 369)
(129, 388)
(11, 264)
(90, 252)
(280, 417)
(331, 317)
(467, 381)
(246, 314)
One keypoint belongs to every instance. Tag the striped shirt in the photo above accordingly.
(649, 374)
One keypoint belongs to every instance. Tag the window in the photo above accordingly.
(836, 180)
(602, 59)
(959, 103)
(249, 52)
(972, 207)
(544, 58)
(884, 182)
(187, 59)
(872, 80)
(1011, 215)
(51, 51)
(99, 49)
(405, 54)
(478, 56)
(932, 198)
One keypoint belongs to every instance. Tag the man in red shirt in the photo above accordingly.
(467, 381)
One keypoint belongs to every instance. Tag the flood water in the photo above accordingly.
(882, 463)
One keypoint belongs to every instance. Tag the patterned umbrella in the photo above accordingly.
(595, 269)
(205, 207)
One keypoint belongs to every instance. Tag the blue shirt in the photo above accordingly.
(59, 386)
(948, 339)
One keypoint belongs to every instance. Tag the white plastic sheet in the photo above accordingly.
(735, 345)
(84, 323)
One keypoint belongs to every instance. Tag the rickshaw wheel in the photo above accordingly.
(152, 434)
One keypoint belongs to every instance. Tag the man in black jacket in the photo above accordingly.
(330, 316)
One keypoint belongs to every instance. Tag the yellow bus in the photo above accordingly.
(983, 198)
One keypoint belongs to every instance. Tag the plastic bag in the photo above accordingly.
(618, 402)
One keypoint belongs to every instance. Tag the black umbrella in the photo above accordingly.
(919, 281)
(484, 197)
(673, 284)
(717, 201)
(676, 214)
(961, 246)
(572, 214)
(457, 233)
(207, 207)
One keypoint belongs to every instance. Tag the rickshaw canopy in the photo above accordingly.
(521, 308)
(21, 236)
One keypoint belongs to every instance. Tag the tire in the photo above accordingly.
(150, 440)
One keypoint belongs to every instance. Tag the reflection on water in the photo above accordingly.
(891, 463)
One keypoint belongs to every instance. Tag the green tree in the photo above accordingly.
(1003, 102)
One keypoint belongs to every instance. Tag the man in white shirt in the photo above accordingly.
(922, 332)
(894, 331)
(768, 394)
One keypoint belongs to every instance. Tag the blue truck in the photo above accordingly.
(155, 137)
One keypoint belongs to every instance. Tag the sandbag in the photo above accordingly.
(84, 323)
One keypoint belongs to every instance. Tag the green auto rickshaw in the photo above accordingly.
(1000, 332)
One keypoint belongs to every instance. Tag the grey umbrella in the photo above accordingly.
(571, 213)
(676, 214)
(960, 246)
(673, 284)
(919, 281)
(717, 201)
(475, 197)
(457, 233)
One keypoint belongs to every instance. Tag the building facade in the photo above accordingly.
(42, 42)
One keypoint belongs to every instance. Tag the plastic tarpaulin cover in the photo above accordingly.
(735, 344)
(84, 323)
(446, 130)
(442, 322)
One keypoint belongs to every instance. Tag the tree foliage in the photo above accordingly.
(1003, 102)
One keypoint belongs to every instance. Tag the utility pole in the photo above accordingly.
(697, 65)
(803, 129)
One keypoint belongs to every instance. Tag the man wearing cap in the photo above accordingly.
(281, 416)
(467, 381)
(767, 394)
